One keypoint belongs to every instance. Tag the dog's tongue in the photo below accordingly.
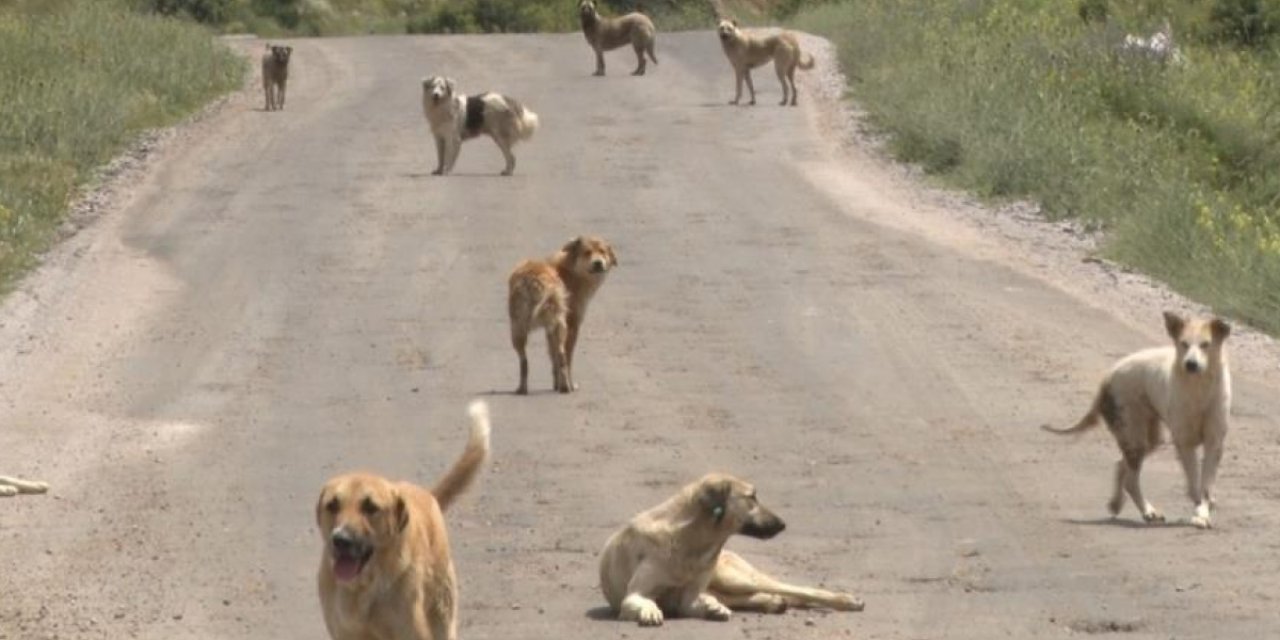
(346, 569)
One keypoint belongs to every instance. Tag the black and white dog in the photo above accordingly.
(455, 117)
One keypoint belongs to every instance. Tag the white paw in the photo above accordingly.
(847, 602)
(1152, 514)
(1201, 518)
(717, 611)
(649, 615)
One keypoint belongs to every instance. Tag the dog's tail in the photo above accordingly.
(464, 471)
(806, 61)
(1090, 419)
(526, 119)
(649, 49)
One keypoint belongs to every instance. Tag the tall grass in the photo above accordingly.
(1024, 99)
(78, 80)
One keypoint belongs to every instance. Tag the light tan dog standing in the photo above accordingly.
(1186, 386)
(670, 560)
(606, 34)
(275, 75)
(746, 52)
(386, 572)
(554, 294)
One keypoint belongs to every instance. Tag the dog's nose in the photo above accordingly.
(1192, 366)
(597, 266)
(342, 541)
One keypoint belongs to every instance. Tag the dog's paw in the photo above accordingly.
(773, 604)
(6, 491)
(1114, 505)
(715, 610)
(846, 602)
(649, 615)
(437, 172)
(1201, 519)
(1152, 515)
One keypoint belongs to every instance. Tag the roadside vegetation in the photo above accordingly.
(80, 79)
(346, 17)
(1176, 161)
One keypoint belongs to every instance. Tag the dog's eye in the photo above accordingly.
(332, 506)
(1185, 344)
(1204, 345)
(368, 507)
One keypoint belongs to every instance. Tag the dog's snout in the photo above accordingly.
(765, 526)
(1192, 366)
(342, 540)
(597, 265)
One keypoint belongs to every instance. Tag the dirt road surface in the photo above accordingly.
(289, 295)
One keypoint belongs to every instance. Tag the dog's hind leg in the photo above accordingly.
(506, 153)
(556, 331)
(520, 341)
(1133, 458)
(734, 575)
(782, 78)
(706, 606)
(761, 602)
(1116, 503)
(638, 45)
(791, 77)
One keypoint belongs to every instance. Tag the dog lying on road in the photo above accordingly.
(553, 294)
(669, 560)
(1187, 386)
(455, 117)
(275, 75)
(10, 486)
(386, 571)
(607, 34)
(746, 52)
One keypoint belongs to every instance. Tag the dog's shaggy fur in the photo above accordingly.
(456, 117)
(606, 34)
(1187, 386)
(10, 486)
(553, 294)
(275, 75)
(746, 52)
(669, 560)
(386, 571)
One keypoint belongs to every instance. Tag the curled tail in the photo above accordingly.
(1090, 419)
(806, 61)
(464, 470)
(526, 120)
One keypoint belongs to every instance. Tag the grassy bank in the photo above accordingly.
(79, 80)
(1027, 99)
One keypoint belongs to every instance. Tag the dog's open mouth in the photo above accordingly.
(348, 562)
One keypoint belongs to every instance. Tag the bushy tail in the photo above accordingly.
(1089, 421)
(806, 61)
(464, 471)
(528, 124)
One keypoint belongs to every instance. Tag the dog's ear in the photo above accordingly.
(402, 513)
(573, 246)
(613, 257)
(734, 22)
(319, 508)
(449, 85)
(1173, 323)
(1220, 329)
(714, 498)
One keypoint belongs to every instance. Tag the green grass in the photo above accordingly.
(80, 79)
(1024, 99)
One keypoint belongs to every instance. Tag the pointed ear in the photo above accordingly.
(714, 498)
(613, 257)
(734, 22)
(572, 246)
(1173, 323)
(402, 513)
(1220, 329)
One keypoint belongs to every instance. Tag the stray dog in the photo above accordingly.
(386, 571)
(1187, 386)
(746, 52)
(275, 75)
(553, 294)
(10, 486)
(607, 34)
(669, 559)
(455, 117)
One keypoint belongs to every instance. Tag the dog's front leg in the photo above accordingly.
(452, 148)
(704, 605)
(737, 86)
(599, 61)
(637, 608)
(750, 86)
(440, 153)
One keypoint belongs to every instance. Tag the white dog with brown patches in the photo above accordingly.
(455, 117)
(1187, 386)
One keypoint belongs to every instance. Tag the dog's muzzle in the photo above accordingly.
(763, 528)
(1192, 366)
(350, 554)
(597, 266)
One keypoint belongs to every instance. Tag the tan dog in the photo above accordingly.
(746, 52)
(1187, 386)
(553, 294)
(455, 118)
(669, 560)
(386, 571)
(607, 34)
(10, 486)
(275, 75)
